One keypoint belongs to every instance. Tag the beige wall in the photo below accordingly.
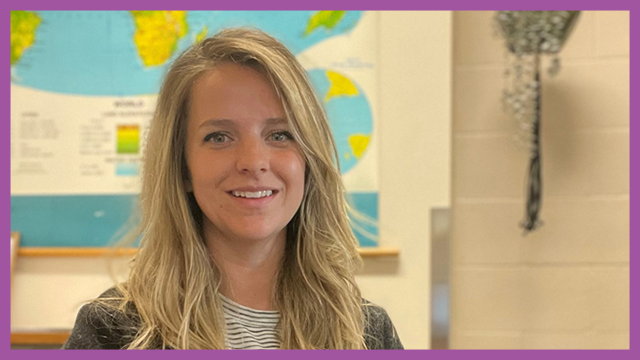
(415, 127)
(414, 138)
(565, 285)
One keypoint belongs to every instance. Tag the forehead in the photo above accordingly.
(231, 90)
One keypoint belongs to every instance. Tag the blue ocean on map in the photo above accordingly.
(348, 116)
(93, 52)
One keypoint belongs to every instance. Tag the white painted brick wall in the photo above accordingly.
(566, 285)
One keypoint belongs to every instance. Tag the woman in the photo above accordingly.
(245, 237)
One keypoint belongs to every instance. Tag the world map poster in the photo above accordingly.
(84, 86)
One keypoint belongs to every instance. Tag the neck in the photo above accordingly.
(249, 267)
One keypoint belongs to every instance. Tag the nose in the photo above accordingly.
(252, 157)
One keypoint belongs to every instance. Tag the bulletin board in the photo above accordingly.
(83, 90)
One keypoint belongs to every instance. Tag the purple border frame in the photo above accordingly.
(298, 5)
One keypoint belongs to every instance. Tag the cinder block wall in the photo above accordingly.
(565, 285)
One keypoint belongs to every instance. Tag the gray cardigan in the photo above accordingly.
(99, 327)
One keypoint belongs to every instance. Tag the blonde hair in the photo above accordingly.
(174, 281)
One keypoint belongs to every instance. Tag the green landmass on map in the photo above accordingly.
(157, 34)
(340, 86)
(23, 33)
(326, 19)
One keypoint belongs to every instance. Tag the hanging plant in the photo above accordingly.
(528, 35)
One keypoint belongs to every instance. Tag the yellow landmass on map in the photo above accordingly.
(358, 143)
(326, 19)
(157, 34)
(202, 34)
(23, 32)
(340, 86)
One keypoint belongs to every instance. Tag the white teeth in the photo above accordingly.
(252, 195)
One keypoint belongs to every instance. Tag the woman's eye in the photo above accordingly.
(281, 136)
(216, 137)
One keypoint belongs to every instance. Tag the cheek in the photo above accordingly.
(296, 168)
(202, 173)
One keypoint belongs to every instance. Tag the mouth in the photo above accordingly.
(253, 194)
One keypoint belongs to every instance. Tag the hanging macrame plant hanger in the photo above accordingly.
(528, 35)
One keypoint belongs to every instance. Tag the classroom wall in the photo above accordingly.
(565, 285)
(414, 165)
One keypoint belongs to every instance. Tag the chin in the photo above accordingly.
(257, 236)
(257, 233)
(250, 230)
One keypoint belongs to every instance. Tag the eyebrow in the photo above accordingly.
(231, 123)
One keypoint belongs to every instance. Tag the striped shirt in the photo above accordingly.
(248, 328)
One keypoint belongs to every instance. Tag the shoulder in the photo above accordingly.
(104, 323)
(379, 330)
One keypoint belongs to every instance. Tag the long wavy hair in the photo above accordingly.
(173, 284)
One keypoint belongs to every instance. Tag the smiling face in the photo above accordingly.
(246, 171)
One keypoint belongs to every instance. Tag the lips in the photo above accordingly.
(253, 197)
